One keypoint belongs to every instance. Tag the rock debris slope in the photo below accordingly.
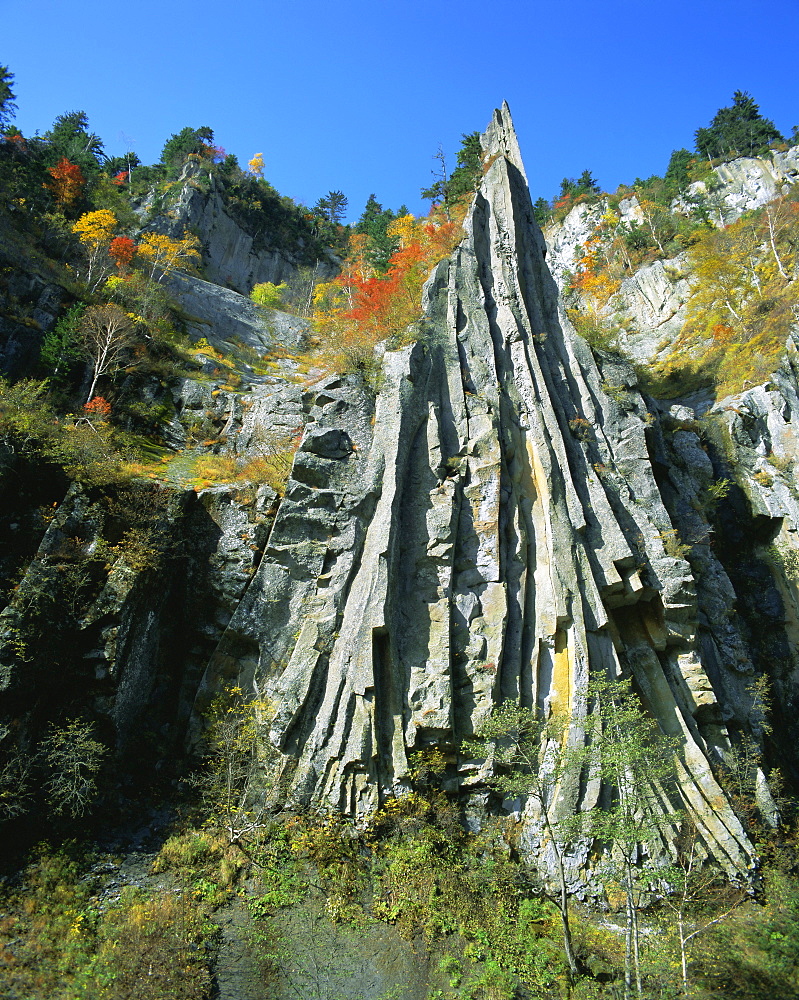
(491, 527)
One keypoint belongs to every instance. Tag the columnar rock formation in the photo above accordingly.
(502, 516)
(495, 531)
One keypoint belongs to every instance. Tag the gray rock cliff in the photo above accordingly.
(233, 256)
(502, 516)
(649, 309)
(497, 531)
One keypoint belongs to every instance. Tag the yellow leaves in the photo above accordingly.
(594, 276)
(163, 254)
(742, 304)
(256, 165)
(96, 229)
(328, 295)
(268, 294)
(407, 229)
(609, 220)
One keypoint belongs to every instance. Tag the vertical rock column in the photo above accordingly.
(492, 530)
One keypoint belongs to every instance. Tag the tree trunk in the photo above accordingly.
(567, 932)
(773, 243)
(683, 955)
(95, 376)
(628, 936)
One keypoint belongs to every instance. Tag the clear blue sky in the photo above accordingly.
(357, 95)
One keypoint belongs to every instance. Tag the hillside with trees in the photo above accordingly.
(406, 608)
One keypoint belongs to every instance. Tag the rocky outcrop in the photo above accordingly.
(496, 531)
(29, 308)
(503, 516)
(648, 311)
(747, 183)
(232, 256)
(127, 596)
(565, 242)
(650, 308)
(224, 317)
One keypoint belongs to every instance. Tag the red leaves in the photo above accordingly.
(67, 183)
(387, 303)
(121, 178)
(121, 251)
(98, 407)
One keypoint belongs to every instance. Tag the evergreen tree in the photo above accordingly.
(637, 760)
(738, 129)
(332, 207)
(542, 210)
(466, 176)
(533, 758)
(373, 223)
(449, 190)
(70, 138)
(584, 184)
(677, 179)
(7, 105)
(182, 145)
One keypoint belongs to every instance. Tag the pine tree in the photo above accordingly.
(637, 761)
(332, 207)
(7, 105)
(70, 138)
(373, 223)
(738, 129)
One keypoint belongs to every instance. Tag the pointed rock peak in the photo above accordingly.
(499, 139)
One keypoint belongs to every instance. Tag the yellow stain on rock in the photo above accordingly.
(562, 675)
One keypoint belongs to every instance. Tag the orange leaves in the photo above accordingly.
(723, 334)
(363, 306)
(594, 276)
(386, 304)
(121, 251)
(67, 183)
(99, 407)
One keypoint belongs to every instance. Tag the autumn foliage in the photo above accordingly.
(99, 407)
(363, 306)
(95, 232)
(744, 298)
(121, 251)
(161, 254)
(67, 182)
(595, 275)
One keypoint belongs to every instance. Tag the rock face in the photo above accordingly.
(565, 242)
(503, 517)
(496, 532)
(747, 183)
(222, 315)
(129, 645)
(649, 308)
(232, 256)
(40, 302)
